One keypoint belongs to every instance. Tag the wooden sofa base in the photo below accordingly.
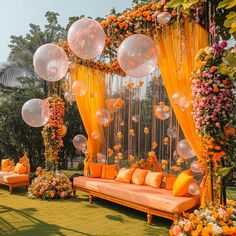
(13, 185)
(150, 211)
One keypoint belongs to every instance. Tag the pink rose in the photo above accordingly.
(222, 213)
(154, 15)
(187, 225)
(223, 44)
(176, 230)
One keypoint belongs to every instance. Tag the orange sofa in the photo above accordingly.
(153, 201)
(12, 179)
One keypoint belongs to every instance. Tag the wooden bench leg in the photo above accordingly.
(90, 199)
(149, 218)
(10, 189)
(74, 192)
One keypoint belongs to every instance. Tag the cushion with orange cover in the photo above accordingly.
(95, 170)
(109, 171)
(139, 176)
(170, 180)
(125, 175)
(182, 182)
(20, 169)
(153, 179)
(4, 164)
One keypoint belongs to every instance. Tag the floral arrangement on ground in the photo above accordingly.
(50, 185)
(212, 220)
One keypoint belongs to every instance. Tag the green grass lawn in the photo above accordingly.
(22, 216)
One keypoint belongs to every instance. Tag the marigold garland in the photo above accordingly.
(53, 132)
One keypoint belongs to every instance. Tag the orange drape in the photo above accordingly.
(90, 103)
(176, 63)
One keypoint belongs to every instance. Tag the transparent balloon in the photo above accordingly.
(103, 116)
(180, 100)
(69, 97)
(184, 149)
(79, 142)
(86, 38)
(135, 118)
(110, 105)
(85, 151)
(50, 62)
(95, 135)
(194, 189)
(137, 56)
(101, 157)
(35, 112)
(172, 132)
(163, 18)
(162, 112)
(79, 88)
(196, 167)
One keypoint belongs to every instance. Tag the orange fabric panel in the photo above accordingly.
(90, 103)
(176, 63)
(109, 171)
(156, 198)
(4, 164)
(153, 179)
(139, 176)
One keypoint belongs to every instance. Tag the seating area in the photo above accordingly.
(118, 118)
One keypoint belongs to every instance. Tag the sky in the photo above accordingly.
(16, 15)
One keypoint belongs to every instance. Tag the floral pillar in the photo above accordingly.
(53, 132)
(212, 91)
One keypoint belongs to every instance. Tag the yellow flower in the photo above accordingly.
(117, 147)
(131, 157)
(154, 145)
(151, 154)
(130, 85)
(179, 161)
(119, 135)
(164, 162)
(120, 155)
(175, 168)
(109, 152)
(166, 141)
(131, 132)
(146, 130)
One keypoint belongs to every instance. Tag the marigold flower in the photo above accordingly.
(146, 130)
(131, 132)
(130, 85)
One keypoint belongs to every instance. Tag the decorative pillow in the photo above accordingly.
(153, 179)
(139, 176)
(125, 175)
(95, 170)
(170, 180)
(182, 182)
(109, 171)
(4, 164)
(20, 169)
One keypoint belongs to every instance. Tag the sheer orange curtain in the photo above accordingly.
(90, 103)
(176, 63)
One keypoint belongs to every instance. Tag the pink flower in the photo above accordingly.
(173, 13)
(222, 213)
(218, 124)
(155, 15)
(163, 2)
(187, 225)
(176, 230)
(223, 44)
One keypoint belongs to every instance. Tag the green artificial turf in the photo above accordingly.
(22, 216)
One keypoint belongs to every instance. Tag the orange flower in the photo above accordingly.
(117, 147)
(131, 157)
(146, 130)
(213, 68)
(140, 83)
(130, 85)
(166, 141)
(218, 148)
(154, 145)
(215, 90)
(131, 132)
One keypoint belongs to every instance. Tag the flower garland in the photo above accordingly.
(213, 220)
(212, 91)
(53, 132)
(50, 185)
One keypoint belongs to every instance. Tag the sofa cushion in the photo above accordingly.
(20, 169)
(182, 182)
(15, 178)
(95, 170)
(160, 199)
(138, 176)
(124, 175)
(109, 171)
(153, 179)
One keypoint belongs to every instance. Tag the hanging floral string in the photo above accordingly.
(53, 132)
